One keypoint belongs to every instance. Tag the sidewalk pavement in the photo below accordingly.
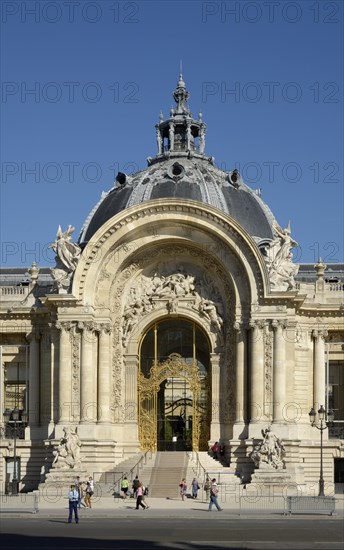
(110, 507)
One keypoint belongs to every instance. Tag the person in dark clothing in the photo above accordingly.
(136, 484)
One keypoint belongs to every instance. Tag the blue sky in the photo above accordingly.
(83, 83)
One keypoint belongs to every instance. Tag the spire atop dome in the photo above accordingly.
(181, 96)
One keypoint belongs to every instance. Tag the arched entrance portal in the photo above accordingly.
(174, 387)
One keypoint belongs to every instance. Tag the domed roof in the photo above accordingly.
(182, 170)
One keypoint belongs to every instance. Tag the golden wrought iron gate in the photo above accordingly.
(173, 367)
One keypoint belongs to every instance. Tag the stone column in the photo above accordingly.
(104, 374)
(257, 371)
(240, 374)
(34, 382)
(88, 384)
(215, 396)
(65, 370)
(278, 377)
(319, 387)
(54, 409)
(130, 405)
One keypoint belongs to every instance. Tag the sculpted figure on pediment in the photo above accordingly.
(67, 257)
(279, 259)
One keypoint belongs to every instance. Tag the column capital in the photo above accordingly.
(279, 324)
(238, 326)
(257, 323)
(318, 334)
(64, 326)
(105, 328)
(87, 326)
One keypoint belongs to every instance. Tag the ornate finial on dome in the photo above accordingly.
(161, 116)
(181, 82)
(181, 96)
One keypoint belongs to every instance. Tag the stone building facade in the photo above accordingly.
(179, 315)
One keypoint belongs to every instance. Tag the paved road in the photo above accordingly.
(143, 532)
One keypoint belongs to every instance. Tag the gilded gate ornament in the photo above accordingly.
(148, 388)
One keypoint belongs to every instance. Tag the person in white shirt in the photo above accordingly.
(73, 497)
(214, 491)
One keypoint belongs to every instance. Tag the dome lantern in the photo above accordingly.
(180, 134)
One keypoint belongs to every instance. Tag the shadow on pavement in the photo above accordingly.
(11, 541)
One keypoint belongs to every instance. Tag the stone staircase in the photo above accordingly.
(160, 471)
(169, 469)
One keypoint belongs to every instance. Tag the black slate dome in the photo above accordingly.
(182, 170)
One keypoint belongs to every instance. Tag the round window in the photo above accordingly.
(176, 170)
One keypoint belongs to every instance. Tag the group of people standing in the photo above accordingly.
(211, 490)
(80, 494)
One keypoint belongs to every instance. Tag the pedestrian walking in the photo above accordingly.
(139, 497)
(194, 487)
(214, 491)
(145, 493)
(183, 488)
(89, 493)
(81, 501)
(136, 483)
(124, 487)
(73, 497)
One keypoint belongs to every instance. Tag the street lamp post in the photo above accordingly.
(324, 424)
(15, 414)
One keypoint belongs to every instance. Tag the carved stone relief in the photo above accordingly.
(268, 353)
(149, 291)
(75, 339)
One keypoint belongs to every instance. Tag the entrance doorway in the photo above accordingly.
(174, 387)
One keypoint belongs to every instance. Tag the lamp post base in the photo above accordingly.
(15, 487)
(321, 488)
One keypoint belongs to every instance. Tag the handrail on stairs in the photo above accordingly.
(207, 474)
(201, 471)
(133, 471)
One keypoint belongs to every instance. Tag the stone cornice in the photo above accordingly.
(59, 300)
(317, 310)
